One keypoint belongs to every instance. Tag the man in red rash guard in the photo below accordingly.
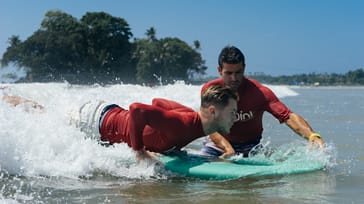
(118, 124)
(167, 125)
(254, 100)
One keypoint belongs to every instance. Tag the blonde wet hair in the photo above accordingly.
(218, 96)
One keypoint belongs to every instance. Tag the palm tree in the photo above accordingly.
(197, 44)
(151, 32)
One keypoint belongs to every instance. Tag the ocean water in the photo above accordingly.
(44, 160)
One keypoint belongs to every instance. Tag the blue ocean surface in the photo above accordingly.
(44, 160)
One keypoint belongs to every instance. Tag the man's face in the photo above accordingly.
(232, 74)
(226, 117)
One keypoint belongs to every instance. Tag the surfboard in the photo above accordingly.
(198, 166)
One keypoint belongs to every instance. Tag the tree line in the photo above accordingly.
(99, 48)
(351, 78)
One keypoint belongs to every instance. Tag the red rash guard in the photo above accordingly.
(254, 99)
(158, 127)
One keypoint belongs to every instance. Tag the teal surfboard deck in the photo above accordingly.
(197, 166)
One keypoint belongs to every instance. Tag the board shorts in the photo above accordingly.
(211, 150)
(89, 117)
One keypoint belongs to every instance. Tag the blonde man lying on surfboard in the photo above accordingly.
(162, 126)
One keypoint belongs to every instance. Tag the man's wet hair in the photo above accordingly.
(231, 55)
(217, 95)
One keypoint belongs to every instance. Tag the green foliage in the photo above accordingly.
(108, 47)
(97, 49)
(13, 52)
(165, 59)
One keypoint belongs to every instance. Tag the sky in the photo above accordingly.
(277, 37)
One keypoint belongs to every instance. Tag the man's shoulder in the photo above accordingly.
(267, 92)
(256, 83)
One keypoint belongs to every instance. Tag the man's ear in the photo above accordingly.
(212, 110)
(219, 69)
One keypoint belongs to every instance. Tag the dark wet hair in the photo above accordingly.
(218, 96)
(231, 55)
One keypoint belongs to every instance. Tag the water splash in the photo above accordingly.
(34, 144)
(293, 157)
(12, 73)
